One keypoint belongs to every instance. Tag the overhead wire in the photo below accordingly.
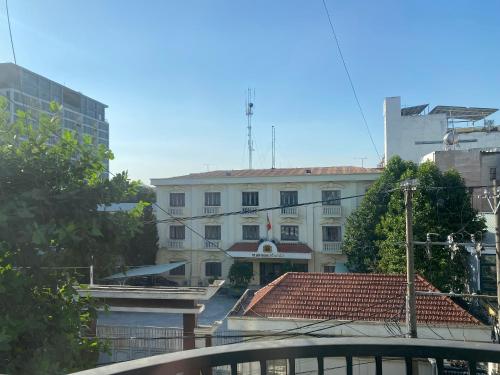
(334, 33)
(10, 31)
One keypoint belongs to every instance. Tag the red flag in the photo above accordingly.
(268, 226)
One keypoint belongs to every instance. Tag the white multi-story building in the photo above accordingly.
(305, 237)
(412, 132)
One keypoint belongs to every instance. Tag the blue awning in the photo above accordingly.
(146, 271)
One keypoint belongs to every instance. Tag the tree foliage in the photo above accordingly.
(441, 205)
(52, 182)
(240, 274)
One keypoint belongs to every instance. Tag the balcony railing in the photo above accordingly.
(332, 211)
(176, 211)
(289, 211)
(211, 244)
(332, 247)
(315, 356)
(211, 210)
(249, 210)
(175, 244)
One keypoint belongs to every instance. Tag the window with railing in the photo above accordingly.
(212, 199)
(250, 198)
(332, 234)
(177, 232)
(177, 200)
(250, 232)
(289, 198)
(330, 197)
(212, 232)
(289, 232)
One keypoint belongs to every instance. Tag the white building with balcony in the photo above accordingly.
(305, 238)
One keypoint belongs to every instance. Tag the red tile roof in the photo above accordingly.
(282, 247)
(312, 171)
(352, 296)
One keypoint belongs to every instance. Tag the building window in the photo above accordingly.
(331, 234)
(212, 199)
(289, 232)
(251, 232)
(213, 269)
(177, 200)
(330, 197)
(493, 173)
(179, 271)
(289, 198)
(177, 232)
(250, 198)
(212, 232)
(329, 269)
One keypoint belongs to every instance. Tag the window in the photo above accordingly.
(213, 269)
(289, 232)
(177, 200)
(212, 232)
(329, 269)
(251, 232)
(330, 197)
(177, 232)
(493, 173)
(250, 198)
(289, 198)
(179, 271)
(331, 234)
(212, 199)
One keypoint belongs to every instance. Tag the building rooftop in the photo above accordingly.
(279, 172)
(351, 296)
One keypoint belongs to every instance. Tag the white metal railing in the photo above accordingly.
(289, 211)
(211, 244)
(249, 210)
(332, 247)
(175, 244)
(332, 211)
(177, 211)
(211, 210)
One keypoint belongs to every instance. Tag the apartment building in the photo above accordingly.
(30, 92)
(307, 238)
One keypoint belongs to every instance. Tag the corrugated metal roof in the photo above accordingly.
(146, 271)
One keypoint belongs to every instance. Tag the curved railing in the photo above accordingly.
(380, 349)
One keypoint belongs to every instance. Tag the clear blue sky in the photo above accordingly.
(174, 73)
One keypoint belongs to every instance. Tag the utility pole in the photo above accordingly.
(411, 311)
(497, 248)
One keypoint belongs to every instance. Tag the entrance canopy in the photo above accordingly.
(146, 271)
(270, 250)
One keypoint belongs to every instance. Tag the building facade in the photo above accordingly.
(412, 132)
(32, 93)
(304, 238)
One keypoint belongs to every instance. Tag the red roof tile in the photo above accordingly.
(312, 171)
(352, 296)
(282, 247)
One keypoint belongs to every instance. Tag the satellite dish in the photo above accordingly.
(450, 139)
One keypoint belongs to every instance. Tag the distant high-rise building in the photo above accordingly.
(31, 92)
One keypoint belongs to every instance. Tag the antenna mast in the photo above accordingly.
(249, 113)
(273, 147)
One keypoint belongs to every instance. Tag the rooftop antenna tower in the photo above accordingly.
(249, 113)
(273, 147)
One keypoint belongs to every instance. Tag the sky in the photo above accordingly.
(175, 73)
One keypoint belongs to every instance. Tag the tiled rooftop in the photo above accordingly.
(276, 172)
(351, 296)
(282, 247)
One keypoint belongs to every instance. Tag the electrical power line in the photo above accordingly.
(10, 31)
(350, 79)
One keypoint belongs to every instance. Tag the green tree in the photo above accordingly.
(442, 205)
(51, 184)
(240, 274)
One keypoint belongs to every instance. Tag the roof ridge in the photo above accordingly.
(264, 291)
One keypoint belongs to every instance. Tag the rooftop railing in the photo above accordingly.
(289, 356)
